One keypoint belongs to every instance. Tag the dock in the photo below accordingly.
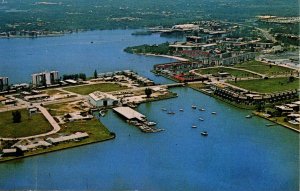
(137, 119)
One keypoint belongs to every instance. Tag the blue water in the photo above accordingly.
(238, 154)
(75, 53)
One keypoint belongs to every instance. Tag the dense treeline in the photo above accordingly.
(149, 49)
(61, 15)
(81, 76)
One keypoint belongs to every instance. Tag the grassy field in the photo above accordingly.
(236, 73)
(268, 85)
(103, 87)
(27, 127)
(263, 68)
(197, 85)
(63, 108)
(52, 92)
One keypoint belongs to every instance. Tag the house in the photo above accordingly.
(66, 138)
(100, 99)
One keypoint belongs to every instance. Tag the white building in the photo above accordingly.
(45, 78)
(3, 83)
(99, 99)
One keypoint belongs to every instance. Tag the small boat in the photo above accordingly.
(180, 109)
(194, 107)
(248, 116)
(163, 109)
(150, 123)
(102, 113)
(201, 119)
(270, 125)
(204, 133)
(171, 112)
(201, 109)
(214, 113)
(194, 126)
(92, 42)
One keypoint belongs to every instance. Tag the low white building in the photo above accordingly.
(100, 99)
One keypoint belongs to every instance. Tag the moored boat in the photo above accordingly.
(194, 107)
(194, 126)
(248, 116)
(204, 133)
(214, 113)
(201, 119)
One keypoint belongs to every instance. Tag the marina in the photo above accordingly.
(133, 156)
(137, 119)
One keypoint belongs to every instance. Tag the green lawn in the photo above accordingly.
(263, 68)
(236, 73)
(93, 127)
(268, 85)
(27, 127)
(103, 87)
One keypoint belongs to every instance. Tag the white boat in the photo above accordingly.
(248, 116)
(214, 113)
(180, 109)
(171, 112)
(201, 119)
(163, 109)
(194, 126)
(204, 133)
(194, 107)
(201, 109)
(102, 113)
(150, 123)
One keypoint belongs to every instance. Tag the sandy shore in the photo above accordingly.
(167, 56)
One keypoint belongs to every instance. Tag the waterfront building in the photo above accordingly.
(45, 79)
(100, 99)
(3, 84)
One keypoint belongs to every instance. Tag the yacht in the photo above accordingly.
(180, 109)
(201, 119)
(194, 126)
(214, 113)
(194, 107)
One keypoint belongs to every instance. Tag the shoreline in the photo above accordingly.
(167, 56)
(54, 150)
(276, 122)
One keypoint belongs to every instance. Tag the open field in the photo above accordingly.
(268, 85)
(52, 92)
(263, 68)
(27, 127)
(103, 87)
(63, 108)
(233, 72)
(197, 85)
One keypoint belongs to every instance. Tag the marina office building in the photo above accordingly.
(45, 79)
(3, 83)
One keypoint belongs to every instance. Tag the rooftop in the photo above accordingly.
(129, 113)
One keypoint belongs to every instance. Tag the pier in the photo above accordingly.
(137, 119)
